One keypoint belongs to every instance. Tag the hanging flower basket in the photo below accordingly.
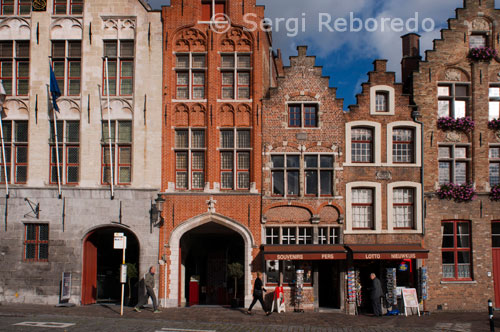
(495, 193)
(482, 54)
(494, 124)
(457, 192)
(462, 124)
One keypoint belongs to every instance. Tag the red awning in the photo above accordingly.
(304, 252)
(388, 251)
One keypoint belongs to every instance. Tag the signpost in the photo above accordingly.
(410, 299)
(120, 242)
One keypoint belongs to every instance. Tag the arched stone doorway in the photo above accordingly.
(218, 240)
(101, 266)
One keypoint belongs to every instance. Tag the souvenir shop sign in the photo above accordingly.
(305, 257)
(304, 252)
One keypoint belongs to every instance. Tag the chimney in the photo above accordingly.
(411, 59)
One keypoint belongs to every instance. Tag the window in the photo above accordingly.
(362, 145)
(36, 242)
(453, 100)
(288, 235)
(120, 54)
(235, 155)
(403, 146)
(190, 71)
(66, 61)
(210, 8)
(287, 269)
(494, 105)
(16, 152)
(456, 250)
(326, 235)
(272, 235)
(494, 166)
(477, 40)
(8, 7)
(362, 208)
(382, 101)
(454, 164)
(235, 72)
(190, 158)
(62, 7)
(495, 234)
(285, 175)
(68, 137)
(121, 141)
(319, 175)
(14, 67)
(403, 208)
(305, 235)
(302, 115)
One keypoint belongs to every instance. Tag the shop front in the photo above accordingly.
(397, 267)
(323, 269)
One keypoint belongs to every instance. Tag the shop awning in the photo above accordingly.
(387, 251)
(304, 252)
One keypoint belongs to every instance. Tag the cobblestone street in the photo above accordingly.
(106, 318)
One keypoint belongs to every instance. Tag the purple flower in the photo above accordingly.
(463, 124)
(482, 53)
(458, 193)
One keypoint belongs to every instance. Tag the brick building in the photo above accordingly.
(462, 262)
(215, 75)
(45, 232)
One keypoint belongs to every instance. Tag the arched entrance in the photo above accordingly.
(101, 266)
(206, 252)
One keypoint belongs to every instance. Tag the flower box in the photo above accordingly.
(494, 124)
(457, 192)
(482, 54)
(462, 124)
(495, 193)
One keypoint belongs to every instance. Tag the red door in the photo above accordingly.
(496, 275)
(89, 272)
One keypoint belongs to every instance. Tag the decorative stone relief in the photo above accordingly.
(16, 109)
(383, 175)
(119, 27)
(236, 40)
(66, 28)
(453, 75)
(243, 115)
(14, 28)
(227, 115)
(453, 136)
(197, 115)
(120, 109)
(190, 40)
(480, 24)
(69, 109)
(181, 115)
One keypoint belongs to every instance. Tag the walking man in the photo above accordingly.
(149, 281)
(258, 296)
(375, 295)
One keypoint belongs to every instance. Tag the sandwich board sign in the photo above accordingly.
(410, 300)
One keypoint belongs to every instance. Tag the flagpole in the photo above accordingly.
(111, 156)
(57, 153)
(2, 97)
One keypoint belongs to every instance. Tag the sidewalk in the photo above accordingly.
(208, 314)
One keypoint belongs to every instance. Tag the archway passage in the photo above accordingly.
(101, 267)
(206, 252)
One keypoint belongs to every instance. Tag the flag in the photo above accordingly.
(54, 89)
(3, 94)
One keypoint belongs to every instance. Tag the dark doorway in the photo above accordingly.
(206, 252)
(101, 267)
(329, 284)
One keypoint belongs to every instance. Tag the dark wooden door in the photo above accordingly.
(496, 275)
(89, 272)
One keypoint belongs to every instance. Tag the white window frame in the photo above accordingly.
(236, 70)
(377, 146)
(377, 207)
(390, 100)
(190, 71)
(417, 205)
(235, 150)
(190, 150)
(417, 136)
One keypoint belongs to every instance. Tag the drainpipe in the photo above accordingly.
(415, 115)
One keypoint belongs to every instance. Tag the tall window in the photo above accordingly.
(494, 105)
(456, 250)
(403, 146)
(302, 115)
(18, 7)
(68, 7)
(494, 166)
(190, 71)
(319, 175)
(328, 235)
(453, 100)
(235, 155)
(121, 142)
(235, 71)
(285, 175)
(36, 242)
(190, 158)
(120, 55)
(362, 145)
(495, 234)
(403, 206)
(454, 164)
(68, 137)
(66, 61)
(14, 67)
(16, 151)
(382, 101)
(210, 8)
(362, 208)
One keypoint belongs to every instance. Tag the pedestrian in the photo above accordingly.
(149, 282)
(375, 295)
(258, 295)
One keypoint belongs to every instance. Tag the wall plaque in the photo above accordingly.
(384, 175)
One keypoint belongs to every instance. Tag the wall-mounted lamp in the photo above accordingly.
(156, 210)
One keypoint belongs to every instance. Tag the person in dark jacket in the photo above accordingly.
(149, 282)
(258, 295)
(375, 294)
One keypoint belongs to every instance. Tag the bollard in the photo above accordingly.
(490, 310)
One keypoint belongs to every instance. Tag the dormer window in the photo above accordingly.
(382, 101)
(212, 10)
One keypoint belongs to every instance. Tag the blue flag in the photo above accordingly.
(54, 89)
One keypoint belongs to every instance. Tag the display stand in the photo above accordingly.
(353, 291)
(299, 288)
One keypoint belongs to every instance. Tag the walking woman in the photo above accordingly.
(258, 295)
